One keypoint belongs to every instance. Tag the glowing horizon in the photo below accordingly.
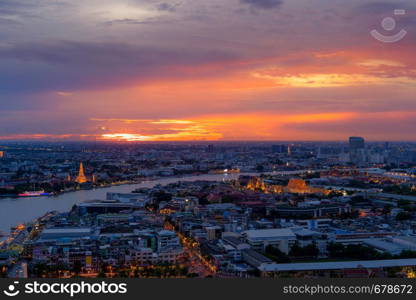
(195, 71)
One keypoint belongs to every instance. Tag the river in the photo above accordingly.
(14, 211)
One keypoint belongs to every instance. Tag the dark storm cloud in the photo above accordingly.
(263, 4)
(68, 64)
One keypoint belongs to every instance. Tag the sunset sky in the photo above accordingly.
(150, 70)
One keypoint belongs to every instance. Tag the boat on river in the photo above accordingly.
(34, 194)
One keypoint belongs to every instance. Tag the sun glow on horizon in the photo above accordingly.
(219, 127)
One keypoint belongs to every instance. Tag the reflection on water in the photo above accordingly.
(14, 211)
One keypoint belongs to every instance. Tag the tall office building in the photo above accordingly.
(279, 148)
(210, 148)
(357, 142)
(2, 154)
(357, 150)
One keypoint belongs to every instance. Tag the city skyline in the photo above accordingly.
(255, 70)
(208, 210)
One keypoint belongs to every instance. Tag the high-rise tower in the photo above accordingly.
(357, 142)
(81, 176)
(357, 150)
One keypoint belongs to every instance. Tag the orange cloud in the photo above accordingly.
(338, 69)
(253, 126)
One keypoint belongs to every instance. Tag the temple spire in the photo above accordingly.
(81, 176)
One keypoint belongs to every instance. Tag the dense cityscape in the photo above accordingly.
(190, 148)
(231, 209)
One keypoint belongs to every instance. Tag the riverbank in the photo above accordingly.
(69, 190)
(14, 211)
(20, 210)
(118, 183)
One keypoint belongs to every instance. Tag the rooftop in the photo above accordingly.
(336, 265)
(66, 230)
(269, 233)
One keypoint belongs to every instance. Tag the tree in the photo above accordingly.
(162, 196)
(183, 271)
(259, 168)
(402, 216)
(123, 274)
(335, 249)
(403, 203)
(359, 252)
(77, 267)
(309, 250)
(276, 255)
(357, 199)
(101, 274)
(407, 254)
(40, 269)
(386, 209)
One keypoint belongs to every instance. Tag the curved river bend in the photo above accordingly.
(14, 211)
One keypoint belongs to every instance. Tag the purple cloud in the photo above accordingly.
(263, 4)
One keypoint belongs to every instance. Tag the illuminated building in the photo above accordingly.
(410, 273)
(256, 184)
(295, 186)
(81, 176)
(1, 154)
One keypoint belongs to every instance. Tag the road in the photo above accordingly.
(196, 262)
